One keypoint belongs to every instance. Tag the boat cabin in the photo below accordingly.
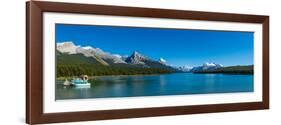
(84, 77)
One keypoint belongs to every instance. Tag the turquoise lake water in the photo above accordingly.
(157, 85)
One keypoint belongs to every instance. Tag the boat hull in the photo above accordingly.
(84, 85)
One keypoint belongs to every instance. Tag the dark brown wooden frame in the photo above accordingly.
(34, 61)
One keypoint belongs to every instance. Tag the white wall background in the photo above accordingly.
(12, 63)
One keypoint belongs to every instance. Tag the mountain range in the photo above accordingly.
(72, 57)
(107, 59)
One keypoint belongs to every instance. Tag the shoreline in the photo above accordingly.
(91, 77)
(70, 77)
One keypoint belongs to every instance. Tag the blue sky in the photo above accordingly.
(177, 47)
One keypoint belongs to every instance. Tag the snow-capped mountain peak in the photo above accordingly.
(67, 47)
(88, 51)
(162, 60)
(207, 66)
(87, 47)
(185, 68)
(138, 55)
(136, 58)
(117, 55)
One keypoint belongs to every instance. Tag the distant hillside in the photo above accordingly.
(74, 59)
(231, 70)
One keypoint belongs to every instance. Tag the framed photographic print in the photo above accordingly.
(96, 62)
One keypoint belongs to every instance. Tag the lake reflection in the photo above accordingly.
(156, 85)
